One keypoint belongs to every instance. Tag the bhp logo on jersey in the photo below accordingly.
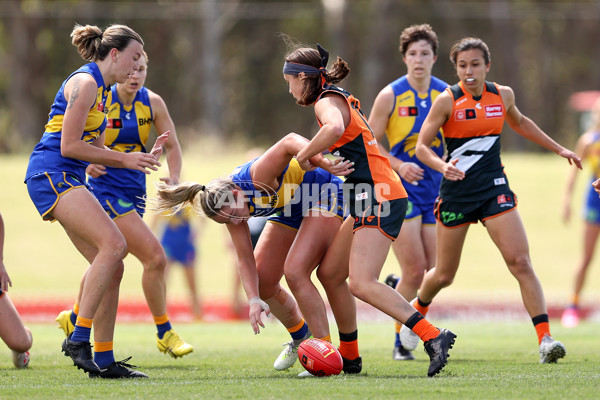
(465, 114)
(493, 111)
(408, 111)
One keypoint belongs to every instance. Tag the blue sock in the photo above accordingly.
(163, 328)
(299, 334)
(104, 358)
(73, 317)
(81, 334)
(397, 342)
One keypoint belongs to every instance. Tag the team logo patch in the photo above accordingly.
(467, 113)
(100, 107)
(504, 201)
(114, 123)
(493, 111)
(499, 181)
(408, 111)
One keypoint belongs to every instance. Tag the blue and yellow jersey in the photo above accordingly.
(46, 156)
(267, 201)
(127, 130)
(178, 227)
(402, 130)
(593, 155)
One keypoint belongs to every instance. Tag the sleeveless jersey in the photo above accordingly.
(593, 156)
(46, 156)
(127, 130)
(358, 144)
(402, 130)
(292, 179)
(472, 134)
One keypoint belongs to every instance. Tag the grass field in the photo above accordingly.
(43, 263)
(492, 359)
(495, 360)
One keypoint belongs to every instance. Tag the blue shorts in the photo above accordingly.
(327, 198)
(425, 211)
(453, 213)
(591, 211)
(46, 188)
(183, 252)
(121, 201)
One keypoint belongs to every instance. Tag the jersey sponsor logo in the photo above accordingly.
(493, 111)
(114, 123)
(408, 111)
(478, 106)
(128, 116)
(458, 103)
(372, 142)
(100, 106)
(448, 216)
(370, 218)
(499, 181)
(504, 201)
(423, 103)
(465, 114)
(144, 121)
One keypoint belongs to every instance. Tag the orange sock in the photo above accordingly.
(542, 329)
(76, 308)
(349, 345)
(422, 309)
(297, 327)
(326, 338)
(397, 326)
(425, 330)
(85, 322)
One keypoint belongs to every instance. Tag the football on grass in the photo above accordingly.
(320, 357)
(20, 360)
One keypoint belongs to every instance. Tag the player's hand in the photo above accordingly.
(141, 162)
(596, 186)
(95, 170)
(411, 172)
(170, 181)
(257, 306)
(451, 172)
(307, 165)
(157, 149)
(5, 281)
(571, 157)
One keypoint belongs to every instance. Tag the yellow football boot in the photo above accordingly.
(64, 322)
(171, 343)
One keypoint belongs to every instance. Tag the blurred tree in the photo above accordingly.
(218, 63)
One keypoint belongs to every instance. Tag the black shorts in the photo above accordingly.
(387, 216)
(452, 214)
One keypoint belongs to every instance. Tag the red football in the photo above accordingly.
(320, 357)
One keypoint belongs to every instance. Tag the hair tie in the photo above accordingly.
(202, 187)
(324, 56)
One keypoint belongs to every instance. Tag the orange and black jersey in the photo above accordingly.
(472, 134)
(358, 144)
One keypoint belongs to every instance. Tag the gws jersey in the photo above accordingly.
(127, 130)
(402, 131)
(472, 134)
(46, 156)
(359, 145)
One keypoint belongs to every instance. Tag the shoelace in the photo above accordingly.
(123, 363)
(292, 348)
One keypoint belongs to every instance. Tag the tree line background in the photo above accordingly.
(218, 63)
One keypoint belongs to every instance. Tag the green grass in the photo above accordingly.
(492, 360)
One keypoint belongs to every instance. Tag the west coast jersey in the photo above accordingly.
(263, 201)
(593, 155)
(46, 156)
(472, 134)
(359, 145)
(402, 130)
(127, 130)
